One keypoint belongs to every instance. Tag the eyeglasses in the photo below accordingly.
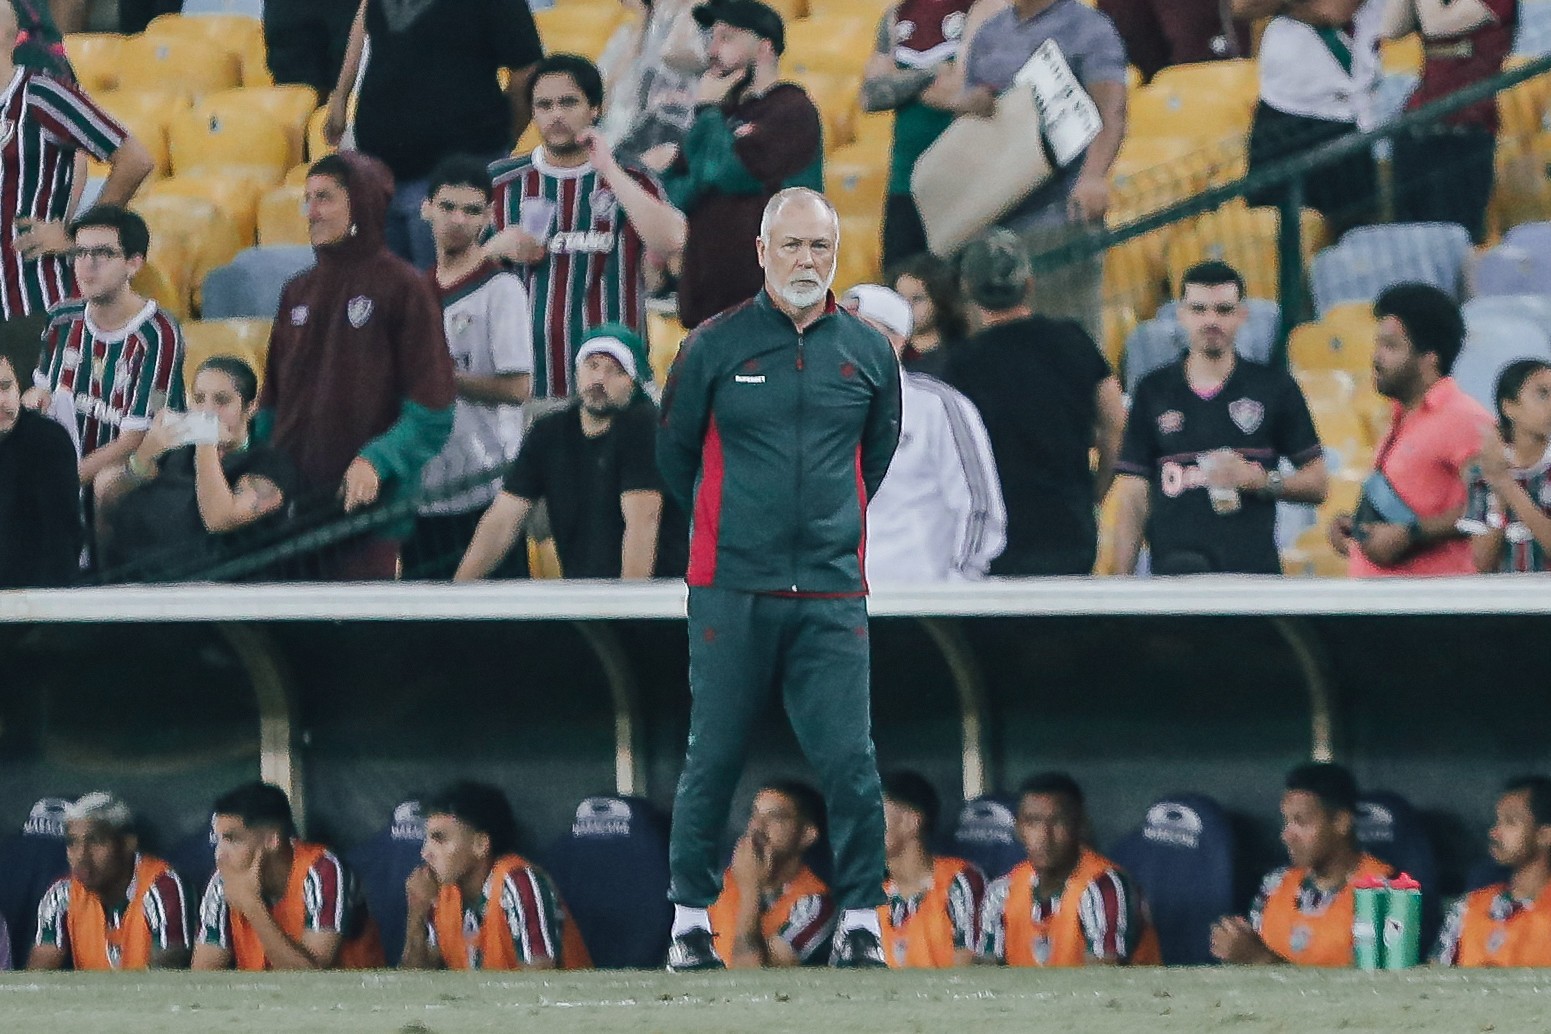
(103, 254)
(1221, 308)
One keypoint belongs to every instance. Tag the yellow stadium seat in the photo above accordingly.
(146, 113)
(208, 237)
(867, 10)
(248, 340)
(1319, 561)
(1402, 56)
(1239, 79)
(1245, 238)
(1326, 387)
(1525, 109)
(1341, 344)
(791, 10)
(1198, 114)
(824, 44)
(236, 197)
(282, 216)
(238, 33)
(95, 58)
(1521, 191)
(1134, 275)
(875, 129)
(838, 98)
(177, 61)
(317, 146)
(578, 28)
(1119, 320)
(164, 278)
(543, 559)
(232, 138)
(297, 177)
(664, 335)
(1346, 487)
(290, 106)
(856, 182)
(861, 252)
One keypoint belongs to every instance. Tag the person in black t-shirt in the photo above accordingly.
(194, 480)
(430, 90)
(40, 508)
(1199, 470)
(1047, 396)
(594, 464)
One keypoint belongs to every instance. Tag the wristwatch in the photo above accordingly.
(1275, 484)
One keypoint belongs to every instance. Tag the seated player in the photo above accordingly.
(773, 910)
(1067, 905)
(932, 920)
(1508, 924)
(476, 903)
(118, 908)
(1303, 913)
(277, 901)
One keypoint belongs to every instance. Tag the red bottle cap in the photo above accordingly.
(1368, 883)
(1404, 882)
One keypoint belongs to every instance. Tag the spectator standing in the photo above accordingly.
(1303, 913)
(489, 331)
(1507, 923)
(194, 479)
(277, 902)
(1407, 519)
(932, 919)
(752, 136)
(938, 322)
(1443, 171)
(917, 48)
(476, 903)
(939, 515)
(40, 509)
(1160, 33)
(773, 910)
(592, 464)
(1319, 72)
(305, 40)
(430, 90)
(1047, 397)
(1510, 502)
(779, 423)
(1066, 905)
(111, 359)
(577, 224)
(119, 908)
(358, 390)
(1071, 204)
(1199, 469)
(51, 121)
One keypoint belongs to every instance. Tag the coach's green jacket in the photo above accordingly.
(774, 441)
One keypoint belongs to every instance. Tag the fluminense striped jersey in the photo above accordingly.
(166, 913)
(118, 379)
(531, 908)
(43, 122)
(595, 272)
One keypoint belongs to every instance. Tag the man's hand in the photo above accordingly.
(37, 399)
(1339, 534)
(37, 239)
(1385, 544)
(361, 485)
(716, 87)
(514, 244)
(1492, 460)
(980, 102)
(660, 158)
(599, 153)
(941, 92)
(421, 891)
(334, 122)
(244, 886)
(1089, 199)
(164, 436)
(1235, 941)
(751, 863)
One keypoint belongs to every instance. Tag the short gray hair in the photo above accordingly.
(101, 807)
(778, 202)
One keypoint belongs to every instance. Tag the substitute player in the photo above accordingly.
(779, 422)
(476, 903)
(932, 919)
(577, 225)
(1508, 923)
(1067, 905)
(1213, 420)
(276, 901)
(1303, 913)
(118, 908)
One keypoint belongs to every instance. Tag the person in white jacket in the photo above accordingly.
(939, 515)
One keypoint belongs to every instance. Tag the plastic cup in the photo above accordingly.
(536, 215)
(1216, 467)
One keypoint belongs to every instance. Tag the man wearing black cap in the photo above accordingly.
(752, 137)
(1047, 396)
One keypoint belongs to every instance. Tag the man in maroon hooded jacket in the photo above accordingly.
(358, 386)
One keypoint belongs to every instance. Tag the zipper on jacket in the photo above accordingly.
(797, 494)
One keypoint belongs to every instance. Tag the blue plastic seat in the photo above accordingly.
(612, 871)
(986, 835)
(382, 864)
(1183, 860)
(249, 286)
(30, 861)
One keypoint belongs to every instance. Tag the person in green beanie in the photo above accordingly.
(593, 463)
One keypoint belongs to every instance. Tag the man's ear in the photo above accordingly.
(759, 250)
(810, 836)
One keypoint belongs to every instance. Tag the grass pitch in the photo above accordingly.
(807, 1002)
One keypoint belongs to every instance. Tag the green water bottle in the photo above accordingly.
(1403, 923)
(1370, 896)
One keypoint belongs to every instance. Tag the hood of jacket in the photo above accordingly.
(370, 186)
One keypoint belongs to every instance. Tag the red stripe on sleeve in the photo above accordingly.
(1111, 902)
(706, 527)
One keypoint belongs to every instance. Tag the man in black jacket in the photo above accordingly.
(779, 422)
(40, 520)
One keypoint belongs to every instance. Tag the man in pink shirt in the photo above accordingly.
(1406, 517)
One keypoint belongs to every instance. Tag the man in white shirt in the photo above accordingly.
(1319, 72)
(939, 515)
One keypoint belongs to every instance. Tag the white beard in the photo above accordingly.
(802, 297)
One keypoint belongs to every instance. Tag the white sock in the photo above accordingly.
(861, 919)
(686, 919)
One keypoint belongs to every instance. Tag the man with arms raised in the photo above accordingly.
(1509, 923)
(118, 908)
(276, 901)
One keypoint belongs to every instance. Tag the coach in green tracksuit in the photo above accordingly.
(779, 421)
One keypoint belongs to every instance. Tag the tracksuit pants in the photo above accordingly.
(742, 646)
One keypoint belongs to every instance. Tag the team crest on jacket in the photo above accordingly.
(1171, 422)
(1246, 414)
(298, 315)
(602, 203)
(7, 130)
(358, 310)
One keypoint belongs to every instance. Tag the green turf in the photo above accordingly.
(980, 1001)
